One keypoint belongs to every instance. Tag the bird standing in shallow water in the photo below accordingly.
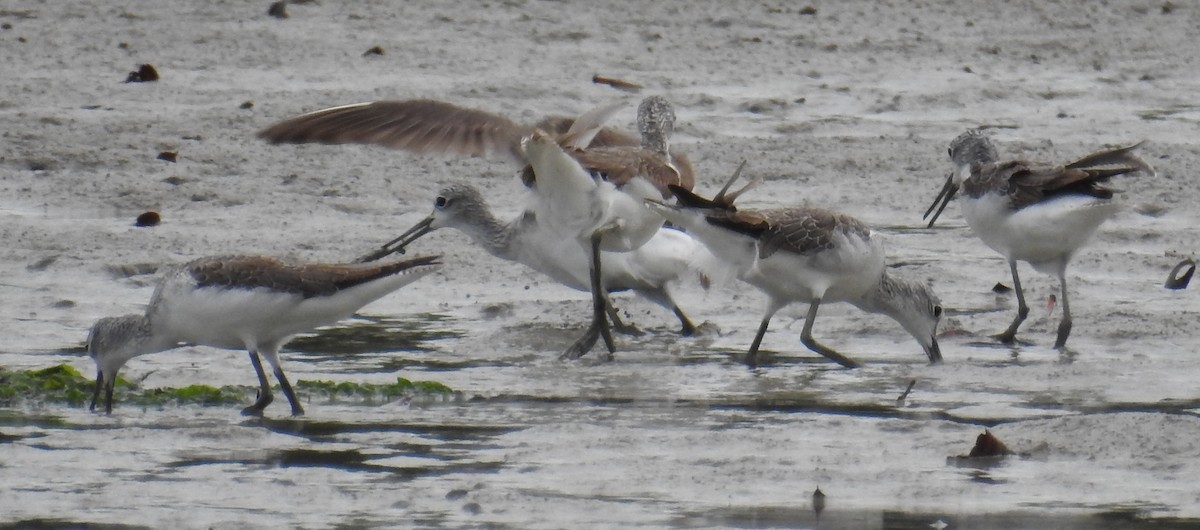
(806, 255)
(604, 207)
(650, 270)
(597, 196)
(252, 302)
(1037, 212)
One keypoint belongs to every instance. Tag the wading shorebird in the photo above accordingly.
(253, 302)
(1037, 212)
(808, 255)
(604, 209)
(597, 196)
(652, 270)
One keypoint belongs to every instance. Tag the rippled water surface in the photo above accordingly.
(675, 433)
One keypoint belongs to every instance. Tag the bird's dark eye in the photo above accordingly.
(937, 311)
(441, 202)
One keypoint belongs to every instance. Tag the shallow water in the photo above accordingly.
(675, 433)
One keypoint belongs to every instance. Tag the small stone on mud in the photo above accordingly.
(987, 444)
(374, 50)
(169, 156)
(492, 311)
(41, 264)
(278, 10)
(144, 74)
(148, 219)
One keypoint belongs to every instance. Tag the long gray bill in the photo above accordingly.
(943, 198)
(934, 352)
(397, 245)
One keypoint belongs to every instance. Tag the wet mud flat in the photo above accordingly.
(675, 433)
(848, 105)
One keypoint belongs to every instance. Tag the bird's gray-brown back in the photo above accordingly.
(799, 230)
(305, 279)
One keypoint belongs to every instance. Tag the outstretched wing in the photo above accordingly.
(418, 125)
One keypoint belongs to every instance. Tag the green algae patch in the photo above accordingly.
(369, 393)
(61, 383)
(65, 384)
(191, 394)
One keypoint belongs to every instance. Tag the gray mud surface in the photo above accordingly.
(850, 107)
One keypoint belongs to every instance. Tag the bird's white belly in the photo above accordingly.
(667, 256)
(631, 224)
(554, 255)
(1042, 234)
(842, 273)
(242, 318)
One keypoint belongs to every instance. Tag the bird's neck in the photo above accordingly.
(494, 235)
(655, 140)
(151, 339)
(132, 336)
(882, 298)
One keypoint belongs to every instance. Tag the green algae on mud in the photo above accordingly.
(371, 392)
(65, 384)
(56, 383)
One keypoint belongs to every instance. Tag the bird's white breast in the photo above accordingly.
(1043, 234)
(227, 318)
(844, 272)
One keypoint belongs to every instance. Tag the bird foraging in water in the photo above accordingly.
(808, 255)
(651, 270)
(1037, 212)
(253, 302)
(589, 181)
(597, 197)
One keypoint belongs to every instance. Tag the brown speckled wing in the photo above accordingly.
(557, 126)
(806, 231)
(305, 279)
(619, 165)
(1027, 183)
(419, 125)
(1118, 158)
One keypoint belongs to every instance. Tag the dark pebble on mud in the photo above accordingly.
(144, 74)
(148, 219)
